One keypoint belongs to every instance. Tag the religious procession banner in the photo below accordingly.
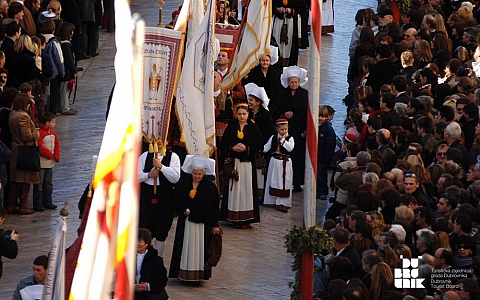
(161, 63)
(227, 35)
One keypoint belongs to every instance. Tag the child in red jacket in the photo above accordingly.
(49, 154)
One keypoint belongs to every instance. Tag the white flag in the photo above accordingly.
(254, 42)
(195, 100)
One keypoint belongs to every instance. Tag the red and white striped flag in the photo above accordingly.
(108, 254)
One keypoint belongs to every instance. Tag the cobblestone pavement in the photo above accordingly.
(254, 264)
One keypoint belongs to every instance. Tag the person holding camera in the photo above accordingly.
(8, 241)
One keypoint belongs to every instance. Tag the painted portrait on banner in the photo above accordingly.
(161, 52)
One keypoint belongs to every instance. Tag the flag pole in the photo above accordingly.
(309, 210)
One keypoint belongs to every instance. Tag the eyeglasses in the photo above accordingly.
(464, 247)
(460, 289)
(441, 153)
(459, 109)
(410, 175)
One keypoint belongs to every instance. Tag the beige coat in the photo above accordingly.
(23, 132)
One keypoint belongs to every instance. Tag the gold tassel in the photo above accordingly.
(183, 138)
(163, 152)
(150, 148)
(240, 135)
(192, 193)
(155, 148)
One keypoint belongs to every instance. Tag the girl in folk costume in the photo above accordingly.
(280, 172)
(241, 141)
(196, 201)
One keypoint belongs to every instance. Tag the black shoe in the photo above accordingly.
(83, 57)
(50, 206)
(92, 55)
(38, 208)
(79, 69)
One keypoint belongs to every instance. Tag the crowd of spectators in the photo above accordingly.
(408, 184)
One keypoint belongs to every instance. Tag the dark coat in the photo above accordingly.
(153, 272)
(389, 158)
(203, 209)
(352, 254)
(469, 132)
(271, 81)
(403, 97)
(5, 155)
(24, 70)
(68, 61)
(463, 150)
(326, 143)
(7, 48)
(390, 118)
(264, 122)
(297, 103)
(23, 132)
(381, 73)
(8, 248)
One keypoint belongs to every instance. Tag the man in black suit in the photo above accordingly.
(399, 86)
(343, 248)
(384, 71)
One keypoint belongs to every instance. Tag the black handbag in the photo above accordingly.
(28, 158)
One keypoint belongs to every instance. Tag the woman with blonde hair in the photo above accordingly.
(440, 23)
(403, 251)
(404, 213)
(54, 9)
(23, 58)
(375, 219)
(382, 278)
(415, 160)
(422, 53)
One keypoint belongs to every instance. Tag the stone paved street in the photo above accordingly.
(254, 264)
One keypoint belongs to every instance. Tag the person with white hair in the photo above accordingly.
(452, 135)
(399, 231)
(196, 201)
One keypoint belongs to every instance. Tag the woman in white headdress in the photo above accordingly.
(266, 75)
(292, 104)
(196, 200)
(258, 106)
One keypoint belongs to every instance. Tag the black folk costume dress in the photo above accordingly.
(240, 199)
(193, 233)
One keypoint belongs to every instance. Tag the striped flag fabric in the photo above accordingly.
(108, 253)
(194, 97)
(254, 42)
